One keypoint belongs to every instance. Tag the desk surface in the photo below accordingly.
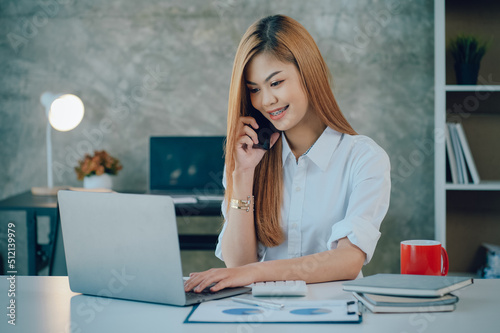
(26, 200)
(46, 304)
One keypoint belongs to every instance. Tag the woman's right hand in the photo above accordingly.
(247, 157)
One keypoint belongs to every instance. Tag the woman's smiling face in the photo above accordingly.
(275, 89)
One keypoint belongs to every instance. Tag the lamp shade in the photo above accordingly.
(65, 112)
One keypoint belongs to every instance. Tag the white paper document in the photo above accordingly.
(294, 311)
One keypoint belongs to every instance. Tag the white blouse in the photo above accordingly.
(339, 188)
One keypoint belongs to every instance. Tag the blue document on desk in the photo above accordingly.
(294, 311)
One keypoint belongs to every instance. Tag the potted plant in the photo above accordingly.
(467, 51)
(95, 170)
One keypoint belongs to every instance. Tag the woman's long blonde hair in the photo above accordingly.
(288, 41)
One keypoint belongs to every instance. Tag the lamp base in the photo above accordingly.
(47, 190)
(83, 189)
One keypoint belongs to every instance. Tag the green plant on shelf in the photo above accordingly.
(467, 49)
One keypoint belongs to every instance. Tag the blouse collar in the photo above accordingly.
(321, 151)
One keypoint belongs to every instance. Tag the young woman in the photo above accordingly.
(309, 208)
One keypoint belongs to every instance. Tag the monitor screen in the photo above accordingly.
(186, 163)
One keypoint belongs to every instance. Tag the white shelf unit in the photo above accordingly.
(445, 192)
(485, 185)
(481, 88)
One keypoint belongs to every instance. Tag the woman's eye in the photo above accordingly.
(276, 83)
(253, 90)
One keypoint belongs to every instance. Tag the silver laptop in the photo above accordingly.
(126, 246)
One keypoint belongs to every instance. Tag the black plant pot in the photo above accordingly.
(466, 73)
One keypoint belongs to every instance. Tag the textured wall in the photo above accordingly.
(163, 68)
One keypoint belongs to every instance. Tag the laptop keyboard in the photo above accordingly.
(201, 296)
(206, 294)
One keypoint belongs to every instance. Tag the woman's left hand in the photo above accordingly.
(223, 277)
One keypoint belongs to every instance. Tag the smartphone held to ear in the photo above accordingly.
(265, 130)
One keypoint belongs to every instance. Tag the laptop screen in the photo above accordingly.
(186, 163)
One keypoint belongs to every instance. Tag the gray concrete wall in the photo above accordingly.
(154, 67)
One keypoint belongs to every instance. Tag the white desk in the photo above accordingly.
(46, 304)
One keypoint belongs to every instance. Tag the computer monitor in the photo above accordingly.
(187, 164)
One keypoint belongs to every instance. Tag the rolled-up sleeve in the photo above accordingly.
(368, 201)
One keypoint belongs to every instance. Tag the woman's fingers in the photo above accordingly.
(220, 285)
(191, 282)
(245, 142)
(249, 121)
(221, 278)
(199, 281)
(250, 132)
(247, 157)
(246, 130)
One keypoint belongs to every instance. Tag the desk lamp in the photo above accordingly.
(64, 112)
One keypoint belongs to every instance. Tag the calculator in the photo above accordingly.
(280, 288)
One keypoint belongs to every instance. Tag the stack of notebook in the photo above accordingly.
(407, 293)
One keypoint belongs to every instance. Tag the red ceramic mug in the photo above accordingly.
(423, 257)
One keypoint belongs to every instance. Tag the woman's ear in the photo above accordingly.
(274, 137)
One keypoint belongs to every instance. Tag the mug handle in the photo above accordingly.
(444, 256)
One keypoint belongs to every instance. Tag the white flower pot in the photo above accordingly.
(102, 181)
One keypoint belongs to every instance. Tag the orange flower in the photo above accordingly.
(101, 162)
(100, 170)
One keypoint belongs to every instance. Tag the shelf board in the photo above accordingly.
(478, 87)
(485, 185)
